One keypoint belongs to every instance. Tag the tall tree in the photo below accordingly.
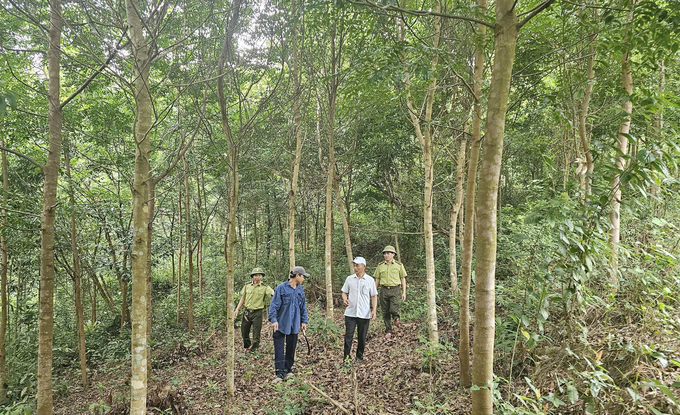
(51, 173)
(424, 133)
(141, 53)
(77, 271)
(470, 194)
(3, 278)
(620, 160)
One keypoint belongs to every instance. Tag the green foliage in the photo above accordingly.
(293, 398)
(325, 331)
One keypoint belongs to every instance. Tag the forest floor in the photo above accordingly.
(193, 380)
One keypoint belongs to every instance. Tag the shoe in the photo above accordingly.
(277, 380)
(246, 350)
(388, 336)
(396, 322)
(359, 359)
(288, 376)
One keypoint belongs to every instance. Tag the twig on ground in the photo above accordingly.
(331, 400)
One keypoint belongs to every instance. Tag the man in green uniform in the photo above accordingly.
(255, 296)
(390, 277)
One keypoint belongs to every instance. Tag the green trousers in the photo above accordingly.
(254, 321)
(390, 298)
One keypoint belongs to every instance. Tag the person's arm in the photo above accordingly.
(345, 300)
(377, 277)
(345, 290)
(273, 309)
(403, 283)
(374, 307)
(303, 314)
(238, 307)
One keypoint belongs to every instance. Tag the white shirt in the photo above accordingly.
(360, 291)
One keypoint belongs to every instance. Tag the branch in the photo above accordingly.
(536, 10)
(421, 12)
(40, 166)
(94, 75)
(325, 395)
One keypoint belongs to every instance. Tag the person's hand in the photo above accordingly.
(275, 326)
(235, 314)
(403, 296)
(373, 315)
(346, 301)
(303, 326)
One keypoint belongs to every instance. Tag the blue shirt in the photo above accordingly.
(288, 308)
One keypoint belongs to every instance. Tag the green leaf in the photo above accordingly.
(572, 394)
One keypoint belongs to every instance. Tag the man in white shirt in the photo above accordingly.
(361, 299)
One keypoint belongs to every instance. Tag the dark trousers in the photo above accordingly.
(390, 298)
(361, 324)
(255, 321)
(283, 363)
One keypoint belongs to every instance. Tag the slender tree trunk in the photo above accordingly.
(140, 207)
(179, 261)
(199, 249)
(395, 235)
(122, 284)
(226, 56)
(505, 36)
(345, 227)
(190, 246)
(620, 163)
(3, 279)
(51, 173)
(425, 137)
(295, 73)
(470, 194)
(455, 209)
(93, 296)
(586, 181)
(658, 129)
(77, 275)
(328, 227)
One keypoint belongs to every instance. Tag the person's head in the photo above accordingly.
(388, 253)
(298, 274)
(257, 274)
(359, 265)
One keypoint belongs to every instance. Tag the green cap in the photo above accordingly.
(389, 248)
(257, 270)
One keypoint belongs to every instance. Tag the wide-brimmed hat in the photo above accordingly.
(257, 270)
(389, 248)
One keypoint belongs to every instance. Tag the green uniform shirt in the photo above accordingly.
(390, 275)
(256, 295)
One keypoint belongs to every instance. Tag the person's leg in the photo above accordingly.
(396, 302)
(245, 331)
(257, 328)
(279, 357)
(362, 332)
(385, 305)
(350, 325)
(291, 343)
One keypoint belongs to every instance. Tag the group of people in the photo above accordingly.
(288, 308)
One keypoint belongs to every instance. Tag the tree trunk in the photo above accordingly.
(140, 207)
(620, 163)
(583, 113)
(328, 227)
(190, 246)
(179, 260)
(77, 274)
(425, 137)
(470, 194)
(455, 209)
(295, 73)
(345, 226)
(226, 55)
(505, 37)
(3, 279)
(122, 284)
(51, 173)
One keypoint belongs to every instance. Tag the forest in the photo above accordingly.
(520, 157)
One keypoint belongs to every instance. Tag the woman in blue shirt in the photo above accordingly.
(288, 315)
